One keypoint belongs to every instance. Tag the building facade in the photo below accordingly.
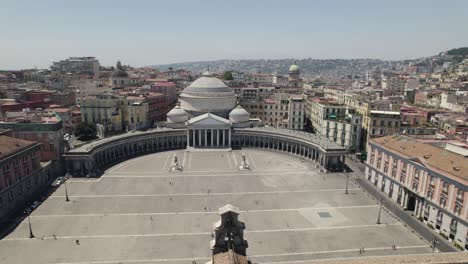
(296, 113)
(427, 180)
(21, 174)
(45, 127)
(77, 65)
(337, 122)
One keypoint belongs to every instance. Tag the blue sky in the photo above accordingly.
(37, 32)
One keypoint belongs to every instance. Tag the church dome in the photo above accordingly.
(208, 94)
(177, 115)
(294, 68)
(239, 115)
(208, 84)
(119, 72)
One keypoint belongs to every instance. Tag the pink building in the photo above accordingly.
(169, 89)
(430, 181)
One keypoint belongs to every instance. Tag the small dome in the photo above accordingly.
(177, 115)
(239, 115)
(119, 72)
(294, 68)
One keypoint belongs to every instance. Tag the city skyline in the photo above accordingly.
(151, 33)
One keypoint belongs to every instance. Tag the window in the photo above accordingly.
(1, 202)
(445, 187)
(443, 201)
(430, 194)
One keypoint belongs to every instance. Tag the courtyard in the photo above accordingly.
(139, 212)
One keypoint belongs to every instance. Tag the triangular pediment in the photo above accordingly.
(208, 120)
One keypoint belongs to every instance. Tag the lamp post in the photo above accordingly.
(65, 184)
(347, 182)
(434, 243)
(380, 210)
(31, 235)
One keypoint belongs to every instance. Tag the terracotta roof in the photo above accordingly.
(9, 145)
(439, 159)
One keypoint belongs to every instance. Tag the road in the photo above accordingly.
(405, 217)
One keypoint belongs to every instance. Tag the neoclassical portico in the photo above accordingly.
(208, 131)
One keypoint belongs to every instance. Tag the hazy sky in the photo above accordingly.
(37, 32)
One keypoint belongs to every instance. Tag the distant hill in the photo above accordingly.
(309, 67)
(463, 52)
(312, 68)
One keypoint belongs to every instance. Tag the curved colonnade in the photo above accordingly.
(91, 159)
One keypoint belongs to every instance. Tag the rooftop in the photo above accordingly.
(439, 159)
(10, 145)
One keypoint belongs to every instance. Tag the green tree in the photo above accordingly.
(227, 75)
(85, 131)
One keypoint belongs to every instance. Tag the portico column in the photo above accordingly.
(217, 137)
(229, 142)
(199, 137)
(193, 138)
(212, 134)
(224, 137)
(206, 137)
(188, 138)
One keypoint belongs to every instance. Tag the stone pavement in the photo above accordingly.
(139, 212)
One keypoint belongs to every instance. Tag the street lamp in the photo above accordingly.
(380, 209)
(65, 184)
(434, 243)
(347, 182)
(31, 235)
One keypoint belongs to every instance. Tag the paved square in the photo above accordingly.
(139, 212)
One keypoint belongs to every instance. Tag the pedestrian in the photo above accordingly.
(55, 237)
(360, 250)
(77, 242)
(393, 247)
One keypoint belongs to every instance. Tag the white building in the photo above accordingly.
(296, 113)
(239, 76)
(338, 122)
(77, 65)
(119, 76)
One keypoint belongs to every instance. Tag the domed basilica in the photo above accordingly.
(208, 110)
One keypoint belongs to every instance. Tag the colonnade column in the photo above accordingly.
(217, 137)
(212, 137)
(193, 138)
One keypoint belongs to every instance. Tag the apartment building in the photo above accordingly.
(338, 122)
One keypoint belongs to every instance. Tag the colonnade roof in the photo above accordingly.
(318, 140)
(90, 146)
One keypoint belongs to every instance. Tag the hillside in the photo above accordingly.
(313, 68)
